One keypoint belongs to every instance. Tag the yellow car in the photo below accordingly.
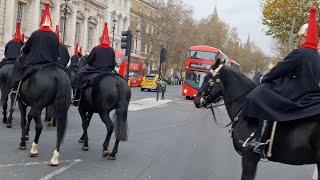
(149, 82)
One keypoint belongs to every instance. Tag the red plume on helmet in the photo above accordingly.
(17, 34)
(75, 51)
(312, 32)
(46, 21)
(22, 38)
(105, 39)
(80, 51)
(58, 33)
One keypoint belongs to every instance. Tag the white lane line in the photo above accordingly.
(146, 103)
(61, 170)
(33, 163)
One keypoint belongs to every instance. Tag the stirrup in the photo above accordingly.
(263, 151)
(244, 144)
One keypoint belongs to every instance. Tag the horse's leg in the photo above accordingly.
(249, 167)
(23, 109)
(109, 124)
(36, 114)
(85, 125)
(89, 116)
(5, 106)
(11, 110)
(114, 152)
(29, 117)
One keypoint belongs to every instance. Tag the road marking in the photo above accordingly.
(61, 170)
(146, 103)
(33, 163)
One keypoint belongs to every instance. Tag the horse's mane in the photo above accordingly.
(231, 74)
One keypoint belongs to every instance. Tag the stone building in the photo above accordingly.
(83, 22)
(142, 15)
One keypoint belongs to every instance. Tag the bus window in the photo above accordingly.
(195, 79)
(202, 55)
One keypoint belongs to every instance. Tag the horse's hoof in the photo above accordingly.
(34, 150)
(4, 120)
(49, 124)
(105, 153)
(55, 159)
(21, 147)
(85, 148)
(81, 140)
(111, 157)
(9, 126)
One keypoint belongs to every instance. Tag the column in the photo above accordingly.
(35, 15)
(9, 20)
(56, 15)
(85, 33)
(73, 23)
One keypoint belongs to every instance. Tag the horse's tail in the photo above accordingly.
(121, 125)
(62, 104)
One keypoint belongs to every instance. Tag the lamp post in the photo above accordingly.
(114, 21)
(137, 33)
(65, 18)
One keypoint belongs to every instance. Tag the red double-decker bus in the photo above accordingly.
(200, 59)
(136, 71)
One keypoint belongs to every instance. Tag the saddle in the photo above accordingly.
(98, 78)
(30, 70)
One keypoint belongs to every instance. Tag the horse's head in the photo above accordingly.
(211, 88)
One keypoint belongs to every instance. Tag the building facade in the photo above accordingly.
(82, 20)
(142, 14)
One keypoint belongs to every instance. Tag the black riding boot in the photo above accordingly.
(77, 97)
(261, 137)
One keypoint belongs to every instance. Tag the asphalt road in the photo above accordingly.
(170, 141)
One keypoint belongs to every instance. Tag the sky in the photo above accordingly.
(245, 15)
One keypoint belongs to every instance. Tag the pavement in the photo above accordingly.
(168, 140)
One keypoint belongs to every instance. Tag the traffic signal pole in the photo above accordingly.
(126, 40)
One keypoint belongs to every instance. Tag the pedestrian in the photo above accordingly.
(100, 60)
(290, 91)
(63, 50)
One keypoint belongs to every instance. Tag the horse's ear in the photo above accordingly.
(216, 64)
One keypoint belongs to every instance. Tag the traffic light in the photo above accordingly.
(126, 41)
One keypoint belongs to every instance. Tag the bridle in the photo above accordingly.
(212, 105)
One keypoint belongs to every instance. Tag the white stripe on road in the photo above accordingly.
(33, 163)
(61, 170)
(146, 103)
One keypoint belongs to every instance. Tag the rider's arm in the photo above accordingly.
(91, 57)
(27, 46)
(283, 67)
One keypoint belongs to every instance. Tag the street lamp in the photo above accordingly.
(65, 18)
(114, 22)
(137, 33)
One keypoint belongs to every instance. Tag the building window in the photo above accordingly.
(147, 28)
(90, 38)
(125, 4)
(124, 25)
(78, 33)
(20, 12)
(146, 49)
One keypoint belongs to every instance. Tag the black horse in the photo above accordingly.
(6, 83)
(110, 93)
(47, 86)
(295, 143)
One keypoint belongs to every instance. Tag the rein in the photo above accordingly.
(211, 107)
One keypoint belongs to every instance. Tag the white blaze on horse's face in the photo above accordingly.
(216, 71)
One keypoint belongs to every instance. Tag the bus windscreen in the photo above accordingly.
(202, 55)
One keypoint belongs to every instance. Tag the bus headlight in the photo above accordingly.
(185, 91)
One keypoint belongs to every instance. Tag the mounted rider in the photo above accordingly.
(100, 60)
(290, 91)
(42, 48)
(13, 47)
(63, 50)
(74, 65)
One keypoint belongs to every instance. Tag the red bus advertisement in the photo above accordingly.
(136, 68)
(197, 65)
